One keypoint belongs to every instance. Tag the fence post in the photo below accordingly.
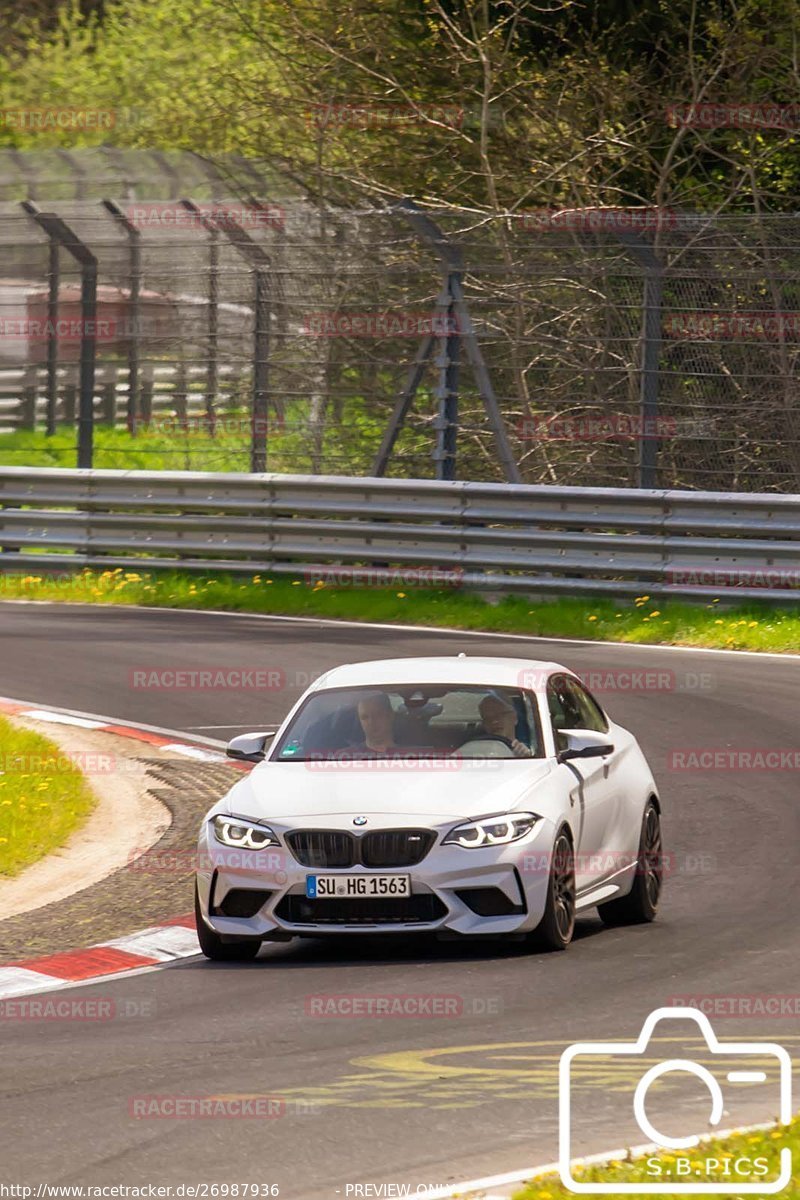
(212, 376)
(447, 390)
(134, 292)
(258, 443)
(54, 227)
(259, 260)
(649, 391)
(652, 291)
(52, 341)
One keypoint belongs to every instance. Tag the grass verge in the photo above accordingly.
(43, 798)
(757, 1152)
(643, 621)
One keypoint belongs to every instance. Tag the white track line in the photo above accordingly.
(465, 1190)
(423, 629)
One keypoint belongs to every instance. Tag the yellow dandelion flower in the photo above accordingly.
(401, 595)
(593, 618)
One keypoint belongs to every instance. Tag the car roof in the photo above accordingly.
(467, 669)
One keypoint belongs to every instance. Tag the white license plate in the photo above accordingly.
(323, 887)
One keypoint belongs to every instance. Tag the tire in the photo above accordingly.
(555, 930)
(640, 906)
(213, 946)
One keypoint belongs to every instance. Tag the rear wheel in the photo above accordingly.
(557, 926)
(213, 946)
(641, 904)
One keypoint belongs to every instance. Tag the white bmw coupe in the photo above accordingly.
(456, 796)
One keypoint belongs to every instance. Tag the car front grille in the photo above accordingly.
(421, 909)
(382, 848)
(395, 847)
(322, 848)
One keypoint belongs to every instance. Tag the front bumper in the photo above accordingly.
(444, 892)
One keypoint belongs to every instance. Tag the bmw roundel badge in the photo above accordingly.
(359, 820)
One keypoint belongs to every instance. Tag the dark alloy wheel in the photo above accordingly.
(557, 926)
(640, 906)
(213, 946)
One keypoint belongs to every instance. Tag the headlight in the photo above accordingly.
(494, 831)
(238, 831)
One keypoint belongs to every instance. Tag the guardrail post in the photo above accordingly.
(134, 292)
(55, 228)
(179, 396)
(70, 395)
(108, 396)
(146, 393)
(27, 404)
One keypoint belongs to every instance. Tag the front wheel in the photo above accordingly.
(557, 926)
(213, 946)
(640, 906)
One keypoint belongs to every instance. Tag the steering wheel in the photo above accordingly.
(475, 747)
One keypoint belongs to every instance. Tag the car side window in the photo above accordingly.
(564, 710)
(592, 715)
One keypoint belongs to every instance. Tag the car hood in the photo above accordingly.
(288, 791)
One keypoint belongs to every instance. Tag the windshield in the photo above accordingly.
(402, 721)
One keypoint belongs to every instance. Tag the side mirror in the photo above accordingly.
(584, 743)
(249, 747)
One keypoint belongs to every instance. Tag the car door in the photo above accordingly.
(592, 792)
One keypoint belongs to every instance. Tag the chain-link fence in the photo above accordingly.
(604, 348)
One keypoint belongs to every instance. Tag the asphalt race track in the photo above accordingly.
(417, 1100)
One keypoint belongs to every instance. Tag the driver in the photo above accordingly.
(500, 720)
(376, 717)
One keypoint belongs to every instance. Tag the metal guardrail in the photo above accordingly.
(162, 389)
(561, 540)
